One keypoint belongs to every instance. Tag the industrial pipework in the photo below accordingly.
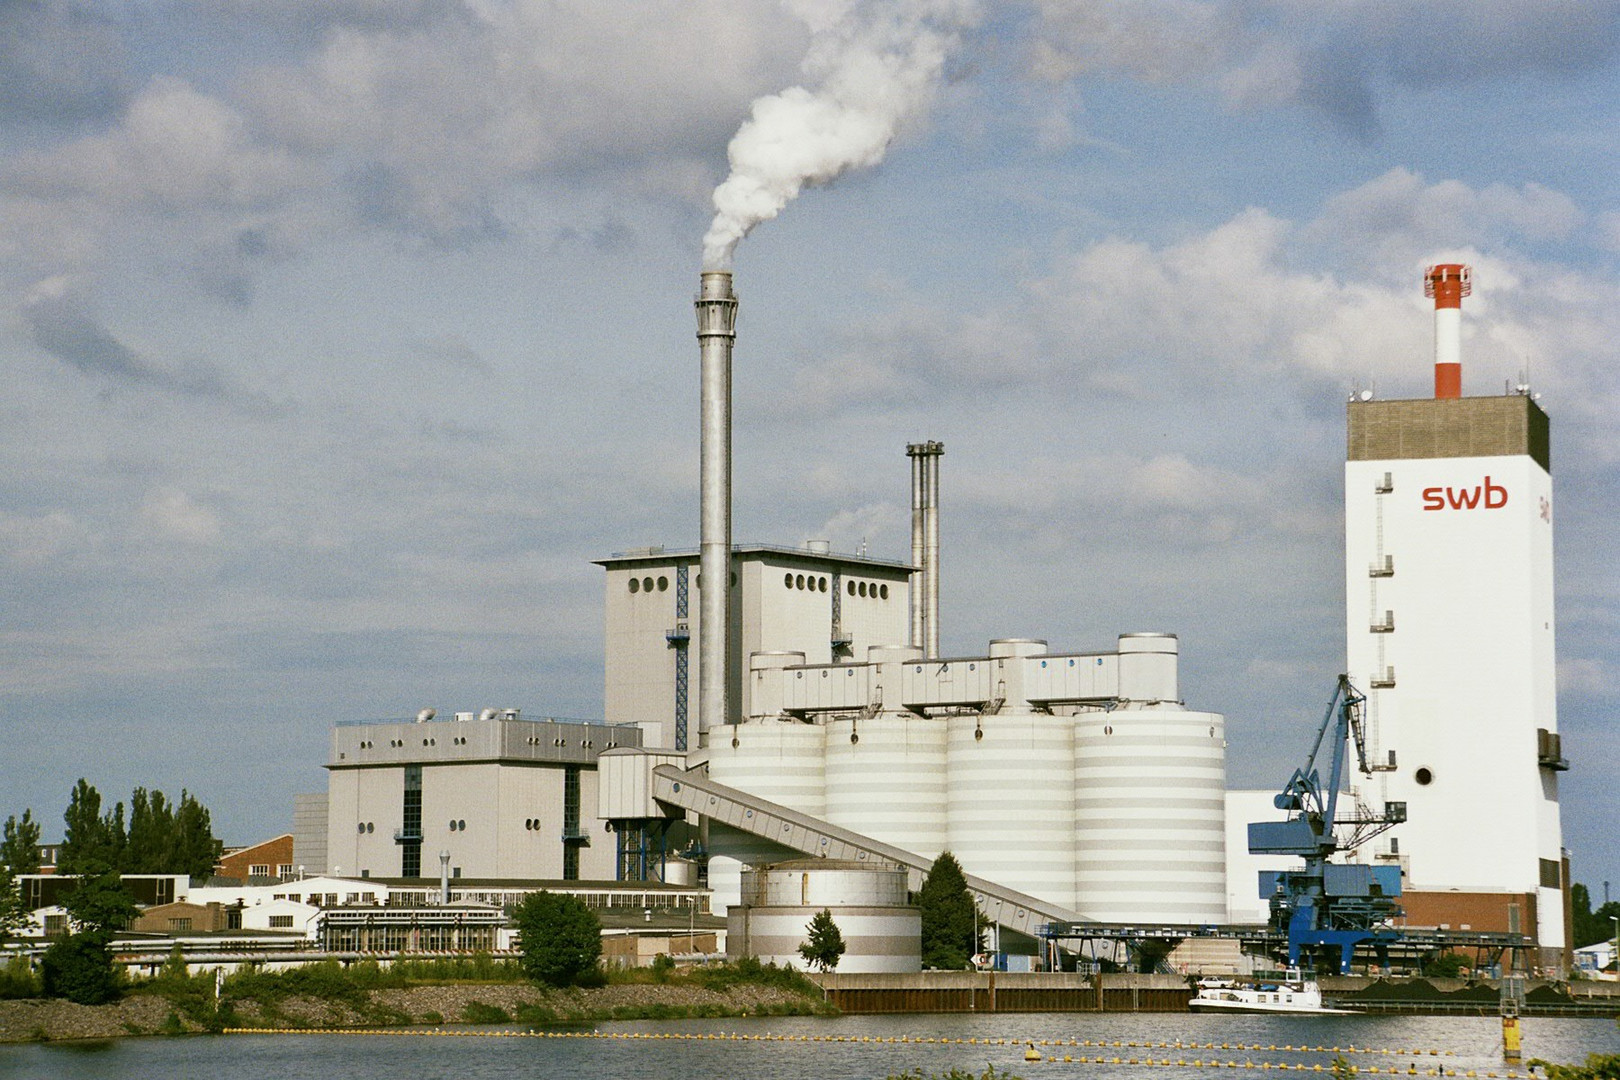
(925, 545)
(1448, 283)
(717, 330)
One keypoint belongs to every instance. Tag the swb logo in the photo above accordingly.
(1487, 495)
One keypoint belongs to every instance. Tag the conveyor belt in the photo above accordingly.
(692, 791)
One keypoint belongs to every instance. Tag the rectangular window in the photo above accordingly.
(570, 862)
(410, 861)
(179, 924)
(281, 922)
(571, 801)
(284, 869)
(1550, 877)
(259, 870)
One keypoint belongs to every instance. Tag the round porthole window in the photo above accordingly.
(635, 584)
(1423, 776)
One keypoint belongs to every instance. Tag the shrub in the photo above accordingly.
(17, 979)
(478, 1012)
(80, 968)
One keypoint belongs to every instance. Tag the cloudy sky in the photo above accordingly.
(340, 335)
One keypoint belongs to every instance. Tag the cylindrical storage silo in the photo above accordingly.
(867, 902)
(886, 779)
(765, 680)
(779, 760)
(1150, 815)
(1147, 667)
(1010, 784)
(1009, 647)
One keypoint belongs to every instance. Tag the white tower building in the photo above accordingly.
(1449, 632)
(822, 606)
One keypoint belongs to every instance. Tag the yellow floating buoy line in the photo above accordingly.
(1179, 1045)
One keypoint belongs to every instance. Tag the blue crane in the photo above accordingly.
(1327, 905)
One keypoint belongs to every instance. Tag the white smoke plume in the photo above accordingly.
(876, 64)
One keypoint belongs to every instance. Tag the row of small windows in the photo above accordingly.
(533, 824)
(661, 584)
(535, 740)
(368, 826)
(457, 826)
(799, 581)
(874, 589)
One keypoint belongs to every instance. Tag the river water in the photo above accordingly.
(846, 1048)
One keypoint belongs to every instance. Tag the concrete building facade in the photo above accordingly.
(504, 797)
(1450, 634)
(830, 607)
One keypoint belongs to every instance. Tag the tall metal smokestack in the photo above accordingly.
(1448, 283)
(925, 544)
(717, 329)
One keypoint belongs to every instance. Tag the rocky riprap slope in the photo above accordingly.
(148, 1014)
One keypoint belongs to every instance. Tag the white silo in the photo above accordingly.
(1010, 778)
(1150, 814)
(881, 931)
(780, 760)
(886, 779)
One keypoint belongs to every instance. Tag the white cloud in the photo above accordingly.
(1398, 219)
(31, 541)
(175, 149)
(173, 515)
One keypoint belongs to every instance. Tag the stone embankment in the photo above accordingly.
(150, 1014)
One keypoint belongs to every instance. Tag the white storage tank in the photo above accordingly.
(1150, 815)
(779, 760)
(868, 902)
(886, 779)
(1010, 779)
(1147, 668)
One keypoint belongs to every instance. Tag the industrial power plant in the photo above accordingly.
(821, 753)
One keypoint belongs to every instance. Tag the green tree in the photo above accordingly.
(1591, 926)
(560, 938)
(196, 850)
(79, 967)
(1445, 965)
(92, 842)
(825, 945)
(99, 905)
(950, 919)
(19, 850)
(13, 909)
(152, 834)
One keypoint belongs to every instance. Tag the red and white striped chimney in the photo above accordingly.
(1448, 283)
